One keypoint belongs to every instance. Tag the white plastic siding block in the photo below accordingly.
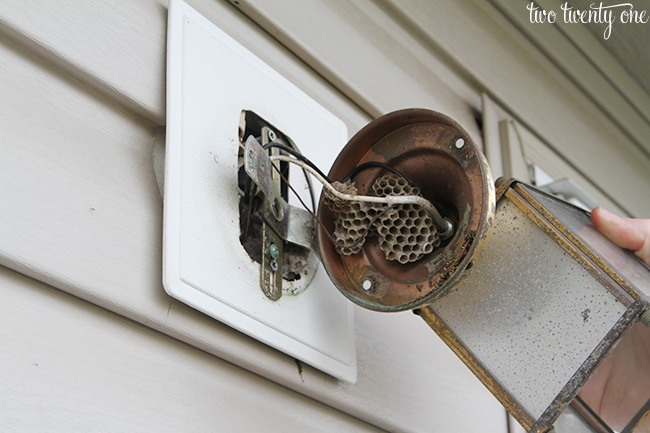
(210, 80)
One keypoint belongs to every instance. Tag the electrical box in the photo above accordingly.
(215, 255)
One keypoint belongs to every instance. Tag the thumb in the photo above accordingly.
(629, 233)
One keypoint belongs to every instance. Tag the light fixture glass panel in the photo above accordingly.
(580, 224)
(528, 311)
(571, 422)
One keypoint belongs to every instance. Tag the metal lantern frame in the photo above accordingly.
(526, 292)
(630, 292)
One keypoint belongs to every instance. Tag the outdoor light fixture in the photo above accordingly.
(517, 282)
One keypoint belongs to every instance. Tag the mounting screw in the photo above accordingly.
(274, 251)
(276, 209)
(645, 317)
(272, 135)
(274, 265)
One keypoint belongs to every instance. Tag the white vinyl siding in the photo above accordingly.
(82, 93)
(69, 366)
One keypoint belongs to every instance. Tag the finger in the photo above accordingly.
(629, 233)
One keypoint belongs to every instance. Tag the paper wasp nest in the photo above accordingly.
(405, 232)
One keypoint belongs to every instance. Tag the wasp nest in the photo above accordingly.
(353, 220)
(405, 231)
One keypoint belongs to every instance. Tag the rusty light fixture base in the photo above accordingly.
(437, 155)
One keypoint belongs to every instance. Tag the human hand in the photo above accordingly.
(621, 385)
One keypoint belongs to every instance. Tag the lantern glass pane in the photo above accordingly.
(577, 220)
(570, 422)
(528, 311)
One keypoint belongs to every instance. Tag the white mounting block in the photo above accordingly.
(210, 80)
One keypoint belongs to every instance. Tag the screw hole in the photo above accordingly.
(460, 143)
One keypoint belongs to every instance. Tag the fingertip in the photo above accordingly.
(627, 233)
(608, 224)
(595, 215)
(604, 219)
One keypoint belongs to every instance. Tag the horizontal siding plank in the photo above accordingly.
(119, 49)
(593, 48)
(82, 212)
(510, 69)
(415, 62)
(615, 92)
(366, 53)
(70, 366)
(398, 63)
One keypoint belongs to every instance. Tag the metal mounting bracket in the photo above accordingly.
(291, 223)
(282, 222)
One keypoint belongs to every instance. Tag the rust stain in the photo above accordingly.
(450, 268)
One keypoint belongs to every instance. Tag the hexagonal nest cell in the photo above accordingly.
(405, 232)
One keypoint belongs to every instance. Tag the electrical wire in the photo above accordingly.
(329, 235)
(359, 168)
(248, 198)
(443, 226)
(298, 155)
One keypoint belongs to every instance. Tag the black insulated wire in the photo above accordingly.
(370, 164)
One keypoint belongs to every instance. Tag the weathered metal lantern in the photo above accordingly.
(525, 291)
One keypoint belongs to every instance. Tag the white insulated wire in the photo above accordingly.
(442, 224)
